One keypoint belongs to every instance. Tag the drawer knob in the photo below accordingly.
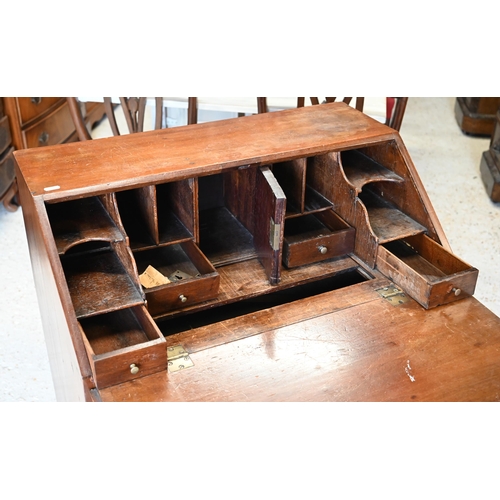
(456, 291)
(183, 298)
(44, 138)
(36, 100)
(134, 369)
(322, 249)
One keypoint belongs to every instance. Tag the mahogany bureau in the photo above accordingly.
(288, 256)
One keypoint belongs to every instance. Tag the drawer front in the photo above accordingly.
(5, 138)
(54, 129)
(193, 278)
(431, 275)
(175, 296)
(115, 369)
(309, 251)
(7, 171)
(123, 345)
(32, 107)
(316, 237)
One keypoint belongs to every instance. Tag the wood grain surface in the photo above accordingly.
(348, 345)
(115, 163)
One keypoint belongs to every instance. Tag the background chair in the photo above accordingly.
(134, 111)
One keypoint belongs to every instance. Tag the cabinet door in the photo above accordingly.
(270, 206)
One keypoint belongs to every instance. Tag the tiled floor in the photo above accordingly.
(448, 163)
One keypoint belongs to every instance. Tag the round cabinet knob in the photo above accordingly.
(36, 100)
(322, 249)
(183, 298)
(43, 138)
(456, 291)
(134, 369)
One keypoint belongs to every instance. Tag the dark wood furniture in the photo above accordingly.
(8, 186)
(304, 263)
(32, 122)
(490, 164)
(476, 115)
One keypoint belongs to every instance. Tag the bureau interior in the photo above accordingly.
(303, 182)
(185, 322)
(159, 214)
(226, 204)
(100, 278)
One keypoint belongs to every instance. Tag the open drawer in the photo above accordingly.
(426, 271)
(123, 345)
(316, 237)
(192, 277)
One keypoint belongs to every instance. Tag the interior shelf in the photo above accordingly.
(157, 215)
(301, 197)
(134, 221)
(361, 170)
(388, 222)
(80, 221)
(171, 229)
(223, 239)
(176, 207)
(313, 202)
(99, 283)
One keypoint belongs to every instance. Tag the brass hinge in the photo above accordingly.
(274, 235)
(393, 294)
(178, 359)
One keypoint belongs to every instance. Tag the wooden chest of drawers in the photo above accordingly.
(7, 165)
(296, 250)
(476, 115)
(44, 121)
(32, 122)
(39, 121)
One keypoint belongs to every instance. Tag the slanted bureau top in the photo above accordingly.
(73, 170)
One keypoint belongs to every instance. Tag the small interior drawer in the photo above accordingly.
(193, 278)
(55, 129)
(316, 237)
(5, 138)
(426, 271)
(123, 345)
(31, 108)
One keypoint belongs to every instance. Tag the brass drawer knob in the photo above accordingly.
(183, 298)
(134, 369)
(322, 249)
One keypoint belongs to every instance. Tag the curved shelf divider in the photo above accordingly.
(80, 221)
(360, 170)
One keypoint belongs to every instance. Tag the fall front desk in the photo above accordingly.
(288, 256)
